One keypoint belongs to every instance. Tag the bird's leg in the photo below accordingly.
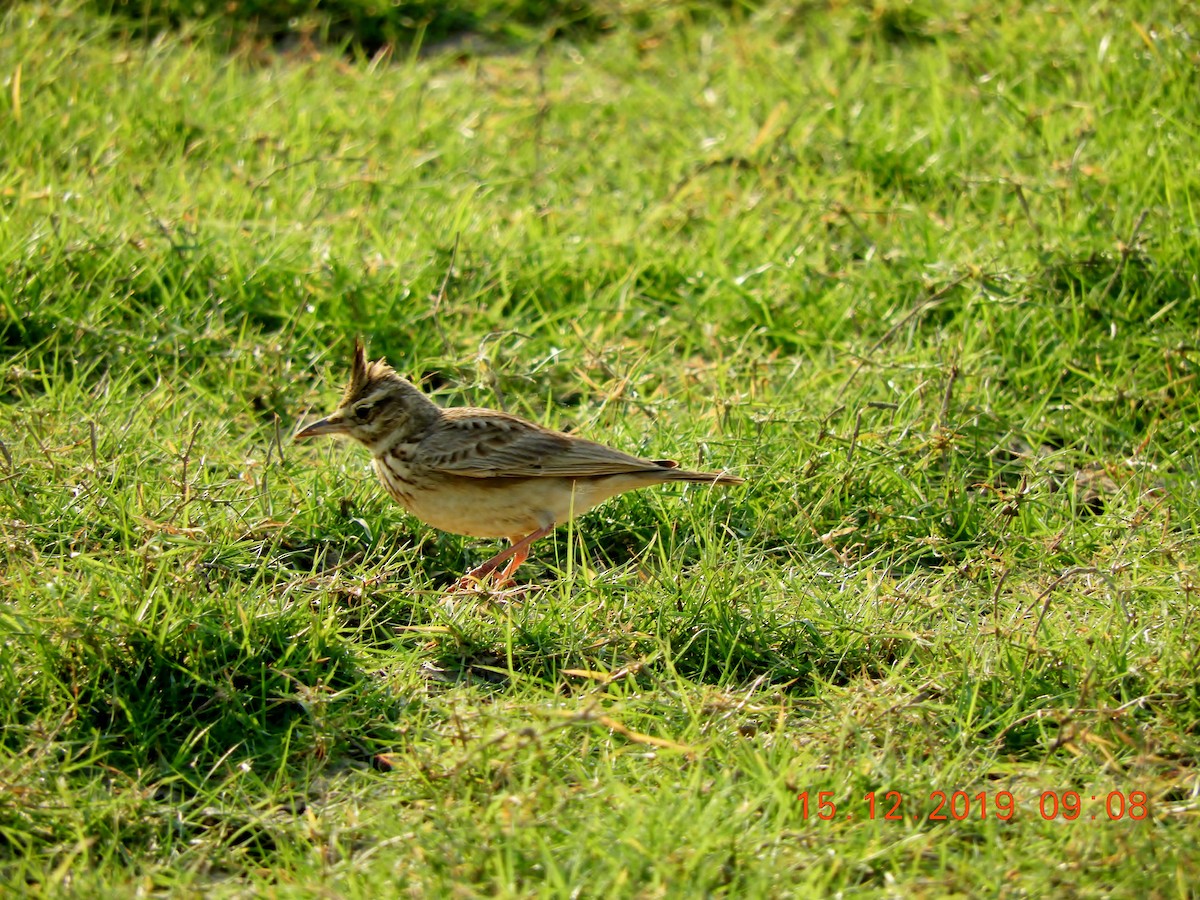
(505, 578)
(514, 555)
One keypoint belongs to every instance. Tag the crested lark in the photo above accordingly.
(480, 472)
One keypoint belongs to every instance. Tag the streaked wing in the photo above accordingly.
(483, 444)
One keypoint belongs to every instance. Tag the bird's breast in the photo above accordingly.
(395, 470)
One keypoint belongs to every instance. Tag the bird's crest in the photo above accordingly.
(364, 373)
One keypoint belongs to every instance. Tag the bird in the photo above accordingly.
(481, 472)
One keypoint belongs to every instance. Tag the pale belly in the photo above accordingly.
(497, 507)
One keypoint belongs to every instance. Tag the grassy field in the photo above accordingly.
(924, 273)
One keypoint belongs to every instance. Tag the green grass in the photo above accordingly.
(924, 273)
(368, 26)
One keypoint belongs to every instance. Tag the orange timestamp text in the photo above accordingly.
(892, 806)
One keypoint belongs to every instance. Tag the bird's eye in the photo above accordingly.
(362, 412)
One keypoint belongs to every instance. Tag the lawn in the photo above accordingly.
(924, 273)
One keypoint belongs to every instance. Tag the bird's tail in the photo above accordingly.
(678, 474)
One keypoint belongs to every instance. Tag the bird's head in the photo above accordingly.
(378, 409)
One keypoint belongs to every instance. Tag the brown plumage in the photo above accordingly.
(480, 472)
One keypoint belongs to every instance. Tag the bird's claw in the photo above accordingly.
(482, 586)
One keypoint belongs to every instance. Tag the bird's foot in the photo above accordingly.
(469, 584)
(485, 588)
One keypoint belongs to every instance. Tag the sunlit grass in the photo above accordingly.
(924, 275)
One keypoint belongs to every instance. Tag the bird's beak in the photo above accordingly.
(324, 426)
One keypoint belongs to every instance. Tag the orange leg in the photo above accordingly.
(514, 555)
